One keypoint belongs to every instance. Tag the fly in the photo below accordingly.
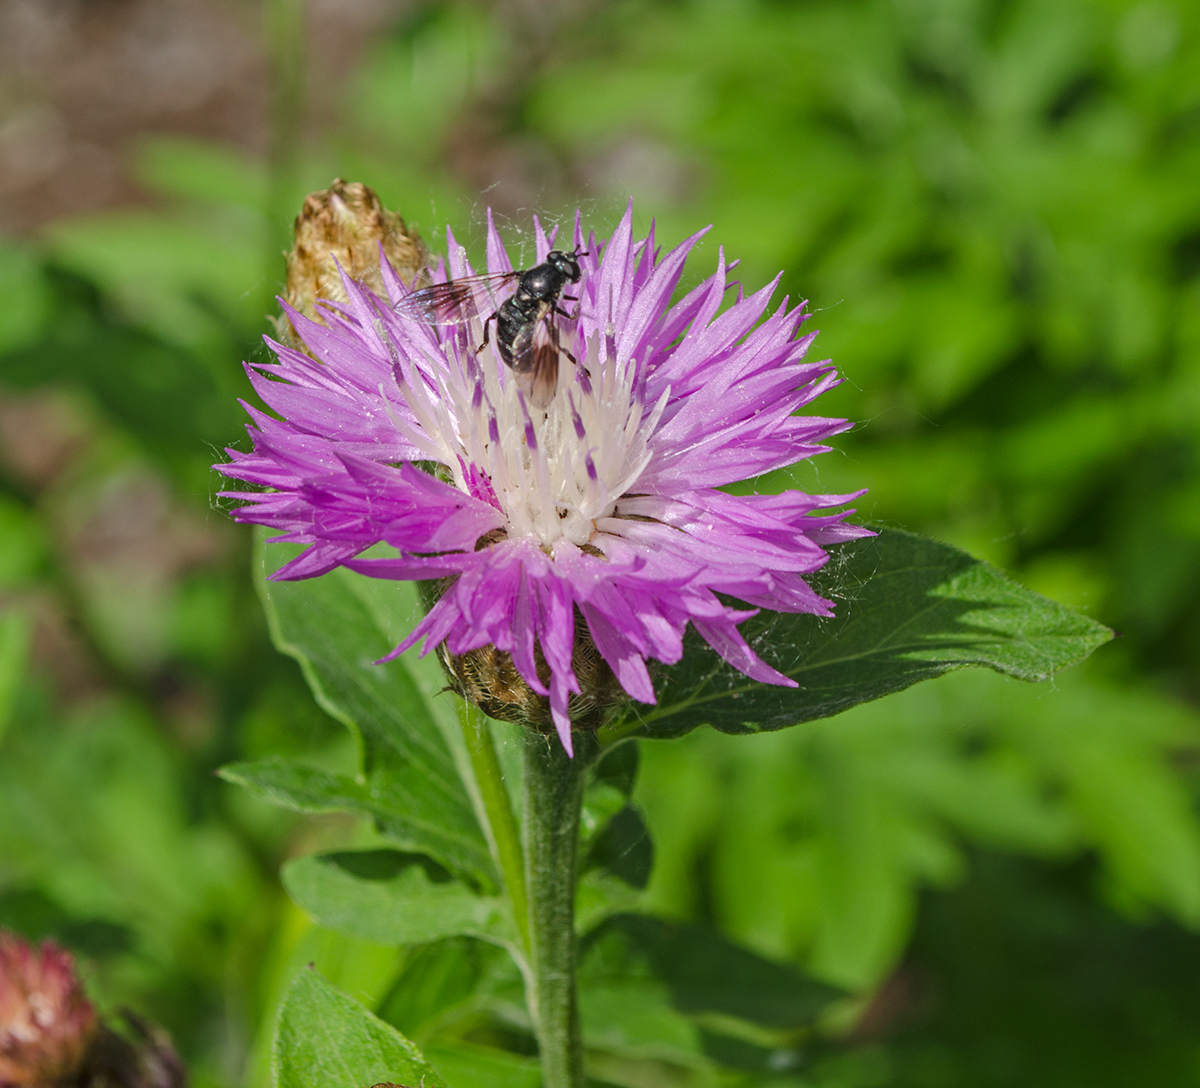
(526, 332)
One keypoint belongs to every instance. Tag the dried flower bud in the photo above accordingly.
(46, 1021)
(344, 226)
(141, 1057)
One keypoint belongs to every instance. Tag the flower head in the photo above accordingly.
(46, 1020)
(583, 526)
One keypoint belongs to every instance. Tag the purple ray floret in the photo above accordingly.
(600, 505)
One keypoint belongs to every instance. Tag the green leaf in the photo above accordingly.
(908, 609)
(26, 298)
(324, 1038)
(613, 835)
(624, 848)
(1113, 754)
(814, 843)
(338, 626)
(634, 1019)
(170, 274)
(467, 1066)
(93, 816)
(443, 979)
(301, 788)
(661, 992)
(14, 649)
(393, 898)
(599, 895)
(628, 1018)
(197, 170)
(601, 803)
(618, 768)
(22, 543)
(706, 973)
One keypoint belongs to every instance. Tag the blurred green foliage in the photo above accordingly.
(993, 207)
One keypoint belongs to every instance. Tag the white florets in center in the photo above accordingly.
(553, 471)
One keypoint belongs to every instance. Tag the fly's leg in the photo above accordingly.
(494, 317)
(555, 342)
(556, 308)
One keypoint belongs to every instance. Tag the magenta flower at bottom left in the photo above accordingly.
(46, 1021)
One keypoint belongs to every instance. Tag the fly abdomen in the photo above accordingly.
(516, 326)
(515, 336)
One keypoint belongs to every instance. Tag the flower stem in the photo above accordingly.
(502, 825)
(553, 786)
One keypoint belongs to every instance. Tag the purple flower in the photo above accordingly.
(600, 507)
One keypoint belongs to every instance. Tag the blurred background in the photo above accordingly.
(994, 208)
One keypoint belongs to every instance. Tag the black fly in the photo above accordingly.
(526, 333)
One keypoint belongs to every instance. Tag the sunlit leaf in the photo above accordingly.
(337, 627)
(907, 609)
(323, 1038)
(393, 898)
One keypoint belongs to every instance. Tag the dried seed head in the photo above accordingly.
(46, 1020)
(344, 226)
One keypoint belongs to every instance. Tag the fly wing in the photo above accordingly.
(536, 356)
(539, 380)
(456, 302)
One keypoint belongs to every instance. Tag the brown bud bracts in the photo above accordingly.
(488, 678)
(343, 227)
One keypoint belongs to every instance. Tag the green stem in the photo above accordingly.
(553, 786)
(504, 836)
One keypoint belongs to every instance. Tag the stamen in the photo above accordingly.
(576, 418)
